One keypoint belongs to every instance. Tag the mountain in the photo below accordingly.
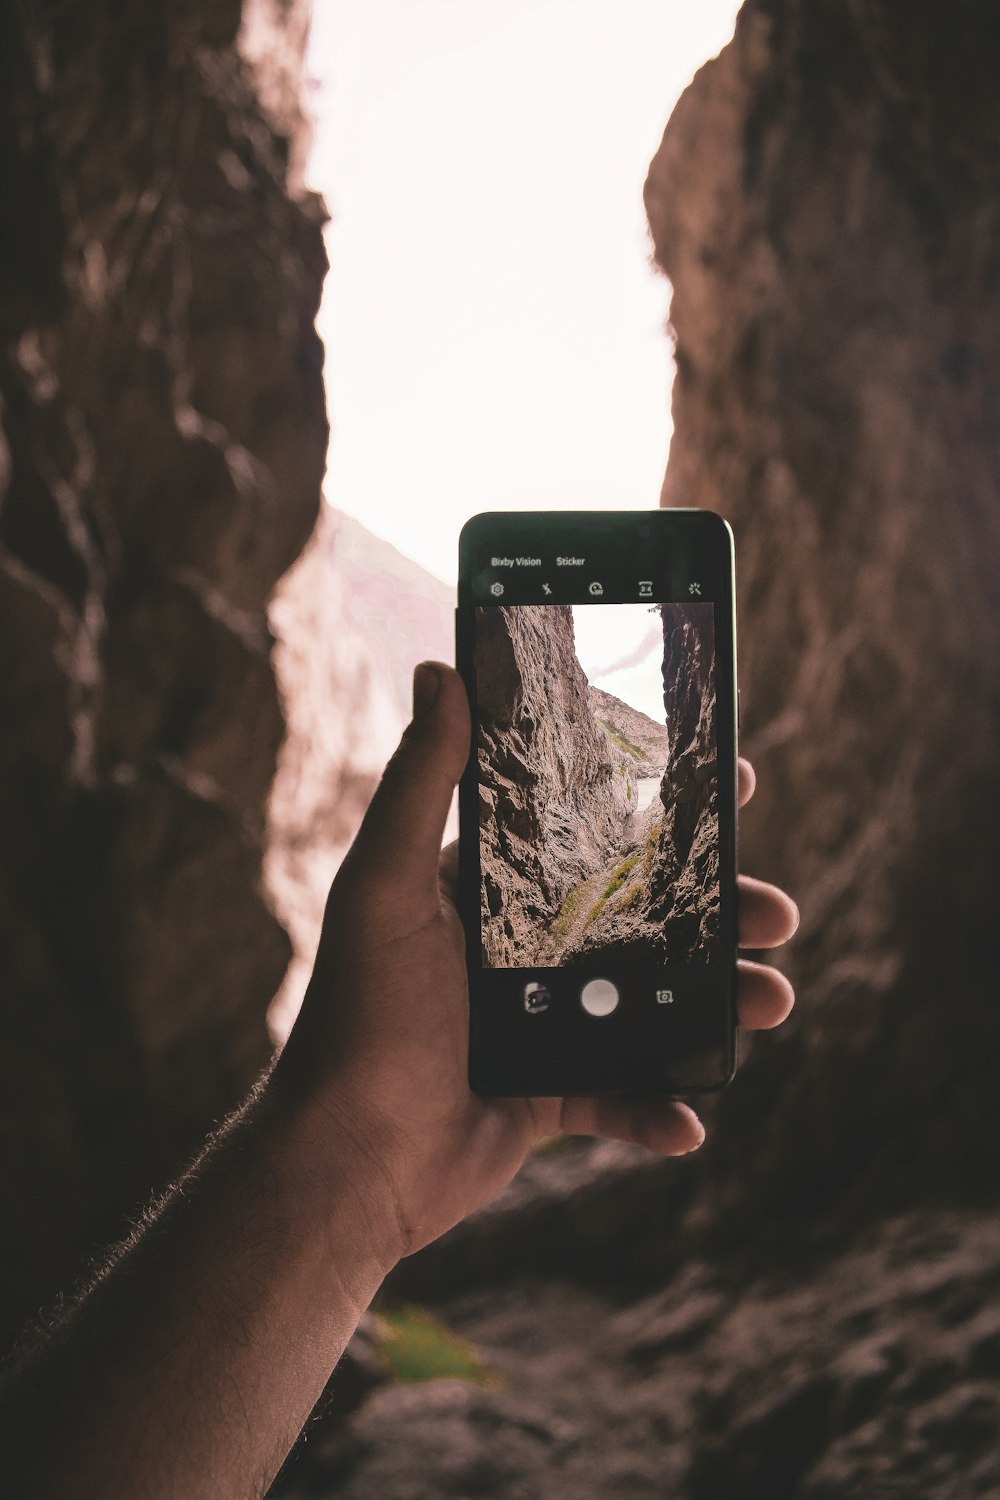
(631, 731)
(351, 621)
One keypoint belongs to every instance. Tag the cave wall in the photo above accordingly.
(162, 440)
(824, 203)
(550, 806)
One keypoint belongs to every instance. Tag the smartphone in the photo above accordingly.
(597, 813)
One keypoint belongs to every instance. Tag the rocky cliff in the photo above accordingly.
(837, 334)
(551, 804)
(660, 894)
(634, 734)
(162, 437)
(684, 874)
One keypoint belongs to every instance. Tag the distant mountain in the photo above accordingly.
(351, 620)
(631, 731)
(402, 611)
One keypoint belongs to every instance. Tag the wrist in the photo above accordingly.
(333, 1179)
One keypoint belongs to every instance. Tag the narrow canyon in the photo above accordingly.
(598, 825)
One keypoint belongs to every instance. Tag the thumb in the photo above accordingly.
(399, 842)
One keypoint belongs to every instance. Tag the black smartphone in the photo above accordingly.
(597, 852)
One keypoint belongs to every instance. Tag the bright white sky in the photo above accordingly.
(620, 648)
(493, 327)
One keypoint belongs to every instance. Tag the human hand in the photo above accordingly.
(376, 1067)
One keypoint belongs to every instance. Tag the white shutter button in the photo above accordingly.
(599, 997)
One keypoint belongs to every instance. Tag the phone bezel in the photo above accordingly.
(711, 538)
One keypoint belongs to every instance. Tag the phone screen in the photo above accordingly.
(601, 848)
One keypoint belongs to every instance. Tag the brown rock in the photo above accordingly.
(549, 772)
(163, 435)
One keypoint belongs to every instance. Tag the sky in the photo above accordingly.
(494, 329)
(620, 648)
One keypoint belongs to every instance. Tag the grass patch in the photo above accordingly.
(418, 1347)
(652, 837)
(621, 741)
(616, 882)
(552, 1145)
(568, 912)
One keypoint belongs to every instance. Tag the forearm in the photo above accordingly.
(192, 1363)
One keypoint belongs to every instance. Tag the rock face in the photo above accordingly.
(707, 1386)
(836, 339)
(551, 808)
(638, 737)
(684, 874)
(162, 437)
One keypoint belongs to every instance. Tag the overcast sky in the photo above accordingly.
(494, 331)
(620, 648)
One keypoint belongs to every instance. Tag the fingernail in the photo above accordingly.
(701, 1137)
(426, 686)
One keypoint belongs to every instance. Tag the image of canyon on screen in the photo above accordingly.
(598, 784)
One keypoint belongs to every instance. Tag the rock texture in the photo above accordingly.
(684, 875)
(551, 806)
(837, 314)
(706, 1387)
(639, 738)
(162, 437)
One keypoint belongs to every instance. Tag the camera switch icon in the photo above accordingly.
(664, 997)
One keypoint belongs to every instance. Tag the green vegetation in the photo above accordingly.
(620, 740)
(651, 841)
(552, 1145)
(631, 898)
(568, 911)
(620, 876)
(417, 1346)
(618, 879)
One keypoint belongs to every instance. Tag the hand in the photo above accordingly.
(377, 1062)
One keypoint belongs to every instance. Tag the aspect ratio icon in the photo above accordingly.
(645, 588)
(496, 589)
(597, 589)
